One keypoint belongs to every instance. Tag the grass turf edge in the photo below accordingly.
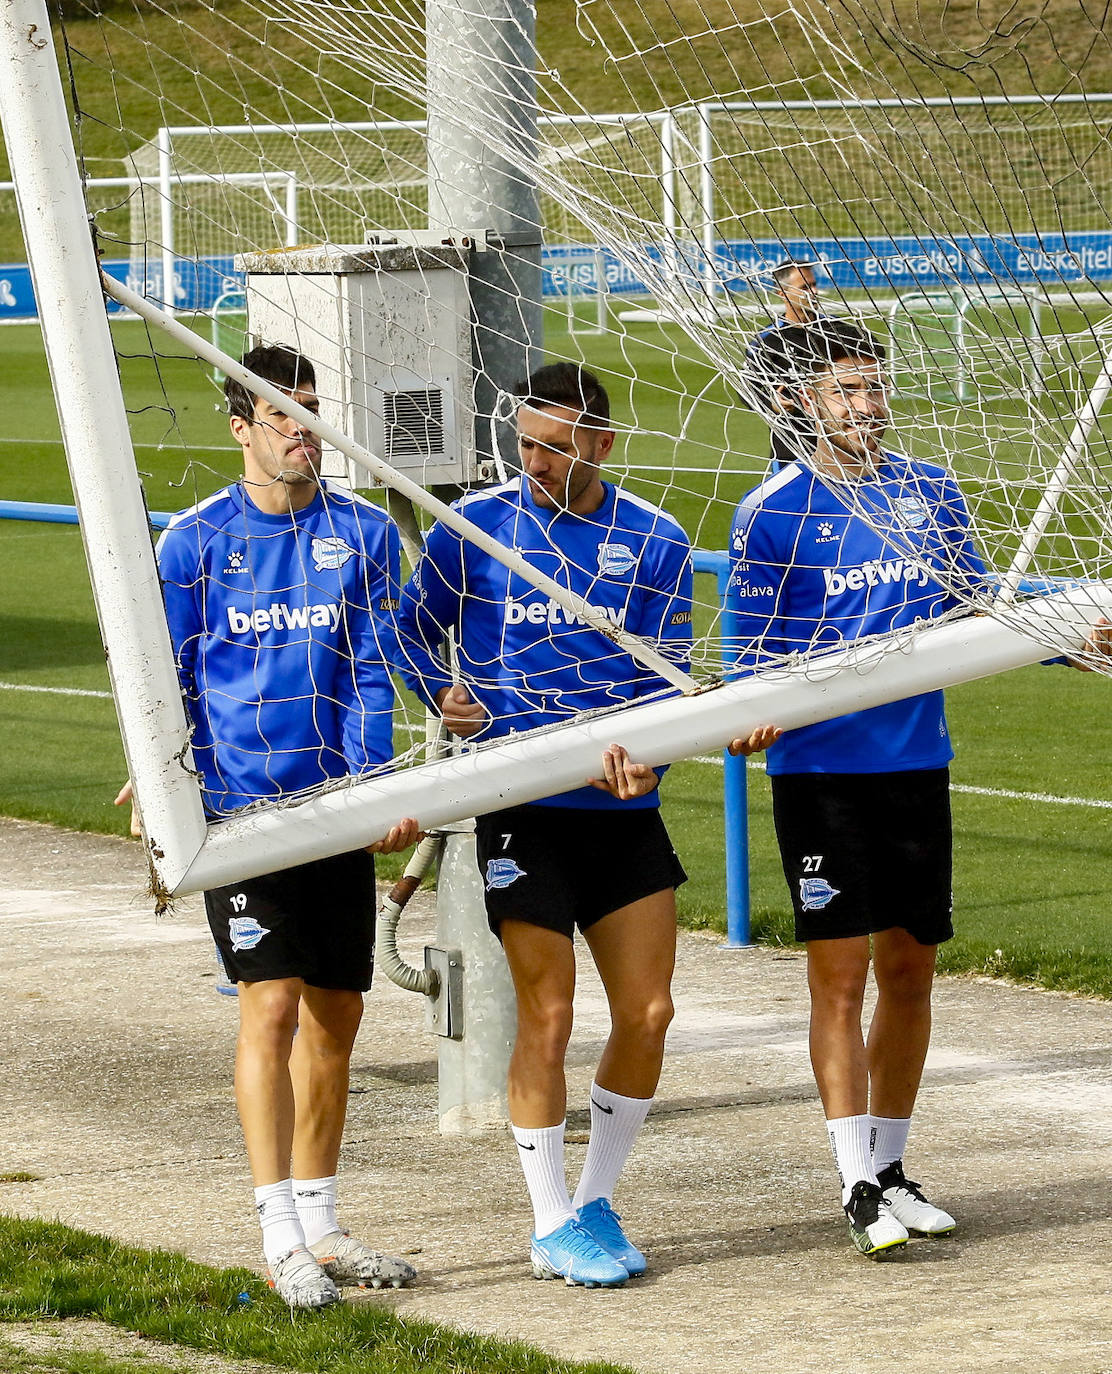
(49, 1270)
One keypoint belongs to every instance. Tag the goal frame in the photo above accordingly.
(186, 852)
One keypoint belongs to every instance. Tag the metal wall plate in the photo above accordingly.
(444, 1012)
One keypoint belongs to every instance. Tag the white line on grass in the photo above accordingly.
(165, 448)
(1048, 798)
(54, 691)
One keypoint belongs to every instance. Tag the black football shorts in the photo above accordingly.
(315, 922)
(561, 867)
(864, 852)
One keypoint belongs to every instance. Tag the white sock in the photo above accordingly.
(278, 1217)
(849, 1143)
(889, 1139)
(541, 1152)
(615, 1121)
(315, 1200)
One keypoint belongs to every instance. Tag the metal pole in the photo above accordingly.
(95, 430)
(669, 209)
(481, 80)
(291, 211)
(472, 1068)
(166, 215)
(707, 202)
(482, 99)
(735, 809)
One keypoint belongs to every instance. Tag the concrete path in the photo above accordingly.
(115, 1061)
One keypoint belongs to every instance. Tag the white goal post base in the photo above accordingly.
(544, 763)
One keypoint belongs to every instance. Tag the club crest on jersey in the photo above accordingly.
(912, 510)
(501, 873)
(330, 553)
(615, 558)
(245, 932)
(815, 893)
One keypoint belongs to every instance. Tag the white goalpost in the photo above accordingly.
(687, 202)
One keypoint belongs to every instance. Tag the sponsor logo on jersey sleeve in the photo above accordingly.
(330, 553)
(681, 618)
(501, 873)
(245, 932)
(389, 603)
(615, 559)
(815, 893)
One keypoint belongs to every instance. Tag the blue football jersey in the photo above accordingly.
(282, 626)
(808, 573)
(524, 657)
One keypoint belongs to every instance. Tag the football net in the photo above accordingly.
(292, 168)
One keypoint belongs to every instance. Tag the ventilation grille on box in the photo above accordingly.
(414, 423)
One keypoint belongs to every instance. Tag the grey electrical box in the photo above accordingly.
(387, 326)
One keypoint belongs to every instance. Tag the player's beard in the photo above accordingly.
(308, 472)
(579, 477)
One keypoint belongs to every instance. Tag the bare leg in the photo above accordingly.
(542, 965)
(836, 974)
(264, 1092)
(634, 950)
(901, 1027)
(319, 1070)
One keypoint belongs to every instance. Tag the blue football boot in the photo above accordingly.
(571, 1253)
(604, 1224)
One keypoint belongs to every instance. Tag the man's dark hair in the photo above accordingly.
(279, 364)
(786, 265)
(814, 347)
(570, 386)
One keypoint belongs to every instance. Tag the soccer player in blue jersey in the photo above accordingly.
(599, 857)
(280, 593)
(861, 803)
(767, 365)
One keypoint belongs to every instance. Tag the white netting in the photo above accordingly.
(950, 194)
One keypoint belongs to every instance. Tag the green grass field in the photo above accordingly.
(1031, 874)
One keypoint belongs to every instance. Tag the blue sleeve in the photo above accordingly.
(430, 608)
(752, 618)
(972, 575)
(366, 697)
(664, 612)
(179, 566)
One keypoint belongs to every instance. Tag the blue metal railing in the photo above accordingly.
(64, 515)
(735, 785)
